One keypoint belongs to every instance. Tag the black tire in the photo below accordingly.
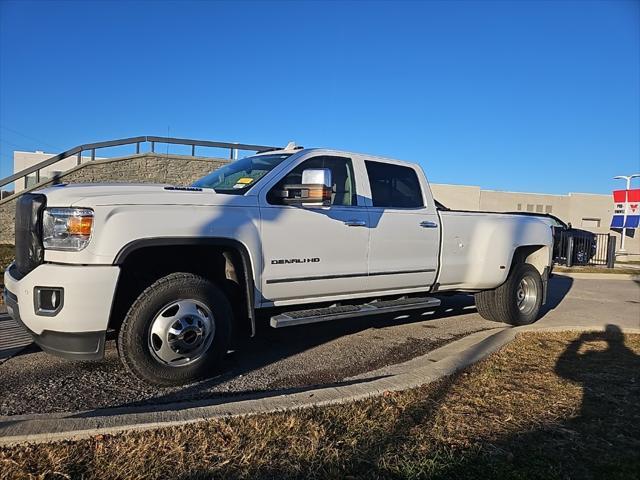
(485, 304)
(136, 341)
(581, 257)
(506, 304)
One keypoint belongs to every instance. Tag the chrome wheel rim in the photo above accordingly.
(181, 333)
(527, 295)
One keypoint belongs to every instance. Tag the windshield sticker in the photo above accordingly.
(243, 182)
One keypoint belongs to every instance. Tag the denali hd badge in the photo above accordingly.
(295, 260)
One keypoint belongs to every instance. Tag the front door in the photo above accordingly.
(315, 252)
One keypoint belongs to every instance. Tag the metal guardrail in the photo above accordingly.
(138, 141)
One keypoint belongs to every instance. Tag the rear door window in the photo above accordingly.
(393, 186)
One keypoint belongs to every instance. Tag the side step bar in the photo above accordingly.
(301, 317)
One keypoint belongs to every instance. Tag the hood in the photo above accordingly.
(97, 194)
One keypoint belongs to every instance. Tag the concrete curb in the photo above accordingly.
(428, 368)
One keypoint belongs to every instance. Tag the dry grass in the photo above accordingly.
(558, 405)
(625, 270)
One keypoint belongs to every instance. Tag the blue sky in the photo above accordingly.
(521, 96)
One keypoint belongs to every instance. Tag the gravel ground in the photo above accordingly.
(299, 357)
(290, 358)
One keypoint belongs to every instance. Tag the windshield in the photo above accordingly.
(239, 176)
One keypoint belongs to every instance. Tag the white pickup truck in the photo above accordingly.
(320, 234)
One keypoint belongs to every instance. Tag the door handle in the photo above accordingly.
(428, 224)
(355, 223)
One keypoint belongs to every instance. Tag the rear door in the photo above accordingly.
(310, 253)
(405, 229)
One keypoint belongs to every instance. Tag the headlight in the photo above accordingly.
(67, 228)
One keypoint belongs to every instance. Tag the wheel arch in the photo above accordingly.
(537, 255)
(242, 265)
(540, 257)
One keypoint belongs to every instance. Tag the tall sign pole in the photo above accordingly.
(627, 201)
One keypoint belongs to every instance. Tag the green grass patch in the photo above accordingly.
(553, 405)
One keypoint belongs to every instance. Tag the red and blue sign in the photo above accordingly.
(626, 212)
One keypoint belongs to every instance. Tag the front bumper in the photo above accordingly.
(78, 330)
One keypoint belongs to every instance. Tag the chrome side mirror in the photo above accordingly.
(314, 191)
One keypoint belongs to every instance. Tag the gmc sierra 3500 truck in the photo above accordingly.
(320, 234)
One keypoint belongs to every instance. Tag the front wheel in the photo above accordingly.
(177, 331)
(517, 301)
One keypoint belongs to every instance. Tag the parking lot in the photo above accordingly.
(292, 358)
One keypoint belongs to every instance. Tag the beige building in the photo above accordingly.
(587, 211)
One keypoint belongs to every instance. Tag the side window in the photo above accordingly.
(393, 185)
(344, 187)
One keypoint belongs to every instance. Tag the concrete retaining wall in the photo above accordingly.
(145, 168)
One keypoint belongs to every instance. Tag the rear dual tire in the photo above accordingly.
(517, 301)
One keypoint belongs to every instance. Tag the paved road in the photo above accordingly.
(33, 382)
(596, 303)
